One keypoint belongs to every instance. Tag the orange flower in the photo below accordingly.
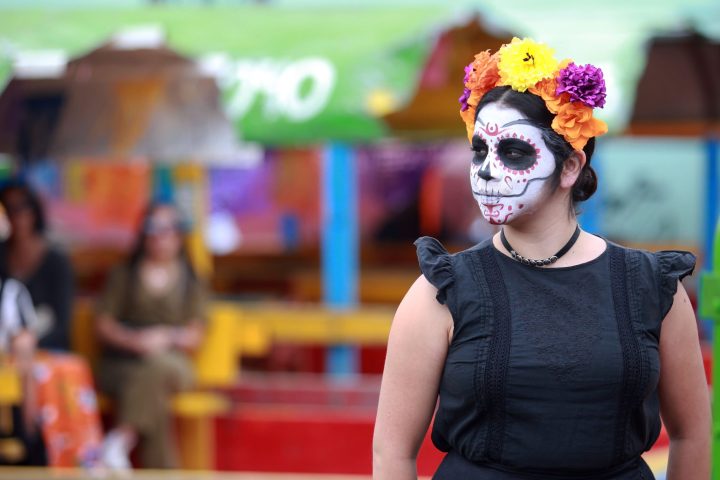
(481, 76)
(574, 121)
(484, 74)
(468, 117)
(475, 96)
(546, 89)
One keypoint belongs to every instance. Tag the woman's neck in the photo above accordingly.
(24, 255)
(542, 233)
(159, 275)
(160, 262)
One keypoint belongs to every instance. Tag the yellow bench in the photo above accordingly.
(10, 394)
(10, 388)
(232, 330)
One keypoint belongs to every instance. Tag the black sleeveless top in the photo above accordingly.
(551, 373)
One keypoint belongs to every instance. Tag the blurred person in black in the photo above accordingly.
(20, 436)
(149, 319)
(28, 256)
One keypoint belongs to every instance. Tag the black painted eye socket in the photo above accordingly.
(481, 150)
(516, 154)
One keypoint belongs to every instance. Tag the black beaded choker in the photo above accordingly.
(540, 263)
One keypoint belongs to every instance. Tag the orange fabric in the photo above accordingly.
(69, 414)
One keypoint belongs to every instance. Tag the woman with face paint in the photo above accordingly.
(541, 347)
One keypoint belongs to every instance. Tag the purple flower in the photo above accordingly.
(468, 71)
(463, 99)
(584, 83)
(466, 92)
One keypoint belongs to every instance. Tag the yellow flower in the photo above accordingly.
(523, 63)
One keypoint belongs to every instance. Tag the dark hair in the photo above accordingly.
(534, 109)
(32, 199)
(138, 251)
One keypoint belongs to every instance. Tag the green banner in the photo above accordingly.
(288, 76)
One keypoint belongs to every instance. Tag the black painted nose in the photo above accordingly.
(484, 172)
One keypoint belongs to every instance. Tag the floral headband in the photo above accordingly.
(570, 91)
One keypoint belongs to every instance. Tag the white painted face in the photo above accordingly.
(511, 164)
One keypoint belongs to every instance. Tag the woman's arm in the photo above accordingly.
(188, 337)
(416, 353)
(684, 398)
(114, 334)
(147, 341)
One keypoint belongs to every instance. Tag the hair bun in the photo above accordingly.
(586, 184)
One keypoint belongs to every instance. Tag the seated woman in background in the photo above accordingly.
(149, 318)
(54, 381)
(20, 437)
(43, 268)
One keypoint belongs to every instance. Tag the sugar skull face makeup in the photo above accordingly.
(511, 164)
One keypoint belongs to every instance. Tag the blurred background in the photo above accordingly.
(305, 144)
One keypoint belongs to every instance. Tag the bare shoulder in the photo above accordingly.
(588, 248)
(595, 244)
(421, 316)
(416, 354)
(679, 334)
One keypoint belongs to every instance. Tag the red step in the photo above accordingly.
(303, 440)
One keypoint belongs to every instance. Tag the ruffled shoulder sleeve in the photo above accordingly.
(673, 266)
(436, 264)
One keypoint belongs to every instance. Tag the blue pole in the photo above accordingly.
(340, 247)
(591, 210)
(162, 184)
(712, 198)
